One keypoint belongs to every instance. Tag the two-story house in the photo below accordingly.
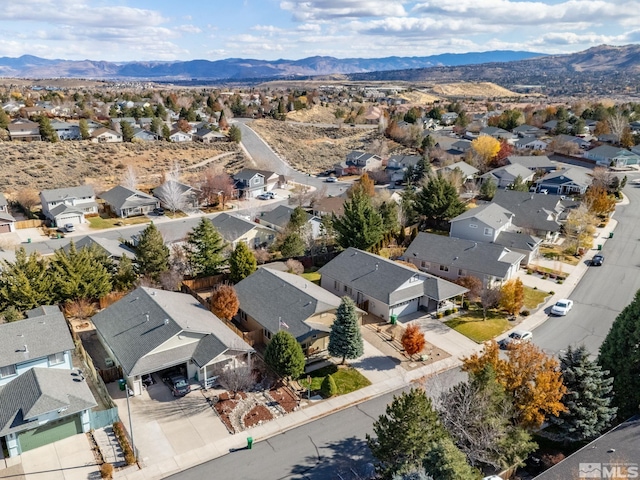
(42, 399)
(68, 205)
(250, 183)
(358, 162)
(234, 229)
(66, 130)
(7, 222)
(24, 130)
(397, 165)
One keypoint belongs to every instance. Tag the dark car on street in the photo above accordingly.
(597, 260)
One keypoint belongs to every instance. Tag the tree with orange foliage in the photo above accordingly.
(413, 340)
(529, 376)
(224, 301)
(365, 185)
(506, 149)
(512, 296)
(598, 200)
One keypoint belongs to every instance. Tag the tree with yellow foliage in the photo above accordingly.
(598, 200)
(512, 296)
(580, 226)
(485, 148)
(532, 379)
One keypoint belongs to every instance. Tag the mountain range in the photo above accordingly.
(28, 66)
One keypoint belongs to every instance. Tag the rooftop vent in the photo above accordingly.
(26, 350)
(146, 316)
(166, 321)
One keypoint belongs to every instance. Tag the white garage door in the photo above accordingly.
(405, 308)
(64, 219)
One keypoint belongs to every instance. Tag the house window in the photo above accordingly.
(267, 333)
(425, 264)
(256, 180)
(461, 272)
(336, 285)
(56, 358)
(7, 371)
(473, 225)
(488, 231)
(444, 268)
(347, 290)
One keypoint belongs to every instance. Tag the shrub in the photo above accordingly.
(328, 388)
(560, 281)
(525, 313)
(106, 470)
(552, 292)
(439, 315)
(130, 458)
(465, 304)
(535, 288)
(447, 312)
(454, 310)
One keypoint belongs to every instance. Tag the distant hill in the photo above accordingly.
(29, 66)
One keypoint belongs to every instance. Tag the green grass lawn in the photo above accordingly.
(101, 223)
(533, 298)
(312, 276)
(347, 379)
(471, 325)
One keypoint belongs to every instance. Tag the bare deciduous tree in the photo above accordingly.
(294, 266)
(28, 198)
(216, 185)
(237, 379)
(489, 298)
(301, 195)
(617, 124)
(130, 178)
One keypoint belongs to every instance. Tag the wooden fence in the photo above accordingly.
(204, 283)
(94, 374)
(29, 223)
(252, 338)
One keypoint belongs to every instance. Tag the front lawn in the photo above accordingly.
(471, 324)
(347, 379)
(109, 222)
(533, 298)
(556, 252)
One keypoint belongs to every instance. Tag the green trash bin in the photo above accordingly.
(610, 234)
(394, 319)
(249, 443)
(121, 384)
(599, 247)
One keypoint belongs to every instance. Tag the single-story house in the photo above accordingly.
(66, 130)
(460, 146)
(328, 206)
(150, 330)
(105, 135)
(531, 143)
(608, 154)
(7, 222)
(142, 135)
(581, 142)
(481, 224)
(234, 229)
(452, 258)
(206, 135)
(112, 248)
(42, 399)
(279, 217)
(126, 202)
(533, 162)
(498, 133)
(525, 130)
(68, 205)
(506, 175)
(271, 300)
(564, 182)
(178, 136)
(172, 194)
(468, 172)
(383, 287)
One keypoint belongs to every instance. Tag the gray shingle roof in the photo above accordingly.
(518, 241)
(232, 227)
(531, 210)
(380, 278)
(110, 247)
(466, 169)
(120, 197)
(576, 175)
(43, 335)
(60, 194)
(485, 258)
(39, 391)
(131, 337)
(64, 208)
(532, 162)
(3, 200)
(269, 295)
(512, 169)
(491, 214)
(280, 216)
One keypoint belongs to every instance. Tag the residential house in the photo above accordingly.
(151, 330)
(105, 135)
(452, 258)
(520, 242)
(279, 217)
(116, 123)
(142, 135)
(499, 134)
(580, 142)
(68, 205)
(234, 229)
(178, 136)
(397, 165)
(66, 130)
(271, 301)
(383, 287)
(42, 399)
(358, 162)
(126, 202)
(250, 183)
(534, 213)
(609, 155)
(506, 175)
(172, 194)
(550, 125)
(468, 172)
(448, 118)
(531, 143)
(525, 130)
(564, 182)
(206, 135)
(534, 162)
(329, 206)
(24, 130)
(459, 147)
(482, 224)
(7, 222)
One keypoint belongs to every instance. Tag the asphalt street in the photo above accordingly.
(603, 291)
(333, 447)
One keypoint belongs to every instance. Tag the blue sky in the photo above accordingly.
(126, 30)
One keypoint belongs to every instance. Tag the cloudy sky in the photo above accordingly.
(125, 30)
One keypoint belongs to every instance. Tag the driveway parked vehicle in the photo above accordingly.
(597, 260)
(69, 227)
(562, 307)
(516, 337)
(331, 180)
(158, 211)
(179, 386)
(267, 196)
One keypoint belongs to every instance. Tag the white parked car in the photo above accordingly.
(516, 337)
(331, 180)
(562, 307)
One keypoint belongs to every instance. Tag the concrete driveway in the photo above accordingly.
(166, 428)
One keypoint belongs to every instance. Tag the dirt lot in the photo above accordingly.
(314, 149)
(43, 165)
(472, 89)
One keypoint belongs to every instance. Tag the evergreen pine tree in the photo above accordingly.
(127, 131)
(361, 224)
(389, 212)
(204, 249)
(488, 189)
(242, 263)
(588, 398)
(84, 129)
(46, 130)
(446, 462)
(405, 434)
(151, 253)
(297, 220)
(284, 355)
(438, 201)
(26, 282)
(345, 339)
(4, 119)
(328, 387)
(292, 245)
(125, 275)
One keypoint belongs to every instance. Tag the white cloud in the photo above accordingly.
(303, 10)
(189, 29)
